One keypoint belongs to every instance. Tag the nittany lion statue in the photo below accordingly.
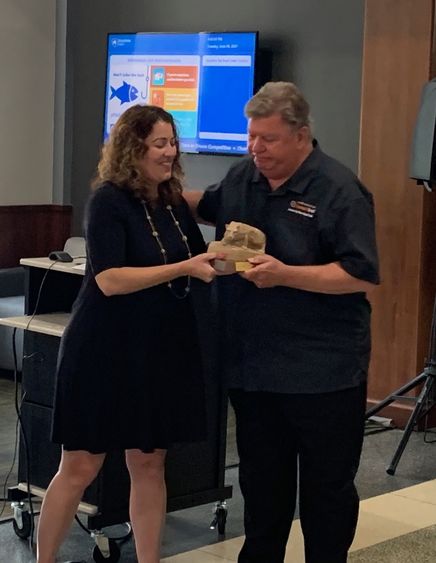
(239, 243)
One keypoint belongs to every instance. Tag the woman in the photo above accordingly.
(128, 370)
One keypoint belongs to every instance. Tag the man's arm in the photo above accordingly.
(205, 205)
(192, 198)
(330, 278)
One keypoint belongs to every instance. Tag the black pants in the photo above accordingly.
(315, 439)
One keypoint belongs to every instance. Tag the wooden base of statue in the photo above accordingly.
(231, 266)
(239, 243)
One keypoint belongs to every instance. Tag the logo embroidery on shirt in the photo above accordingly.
(302, 208)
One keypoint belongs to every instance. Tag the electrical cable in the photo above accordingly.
(119, 539)
(4, 500)
(23, 433)
(19, 423)
(377, 429)
(38, 297)
(25, 441)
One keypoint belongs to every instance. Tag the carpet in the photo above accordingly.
(415, 547)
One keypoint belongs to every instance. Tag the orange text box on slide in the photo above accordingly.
(175, 99)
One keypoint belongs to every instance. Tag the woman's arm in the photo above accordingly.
(120, 281)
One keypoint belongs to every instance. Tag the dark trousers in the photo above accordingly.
(315, 440)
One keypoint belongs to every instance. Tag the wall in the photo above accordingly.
(315, 43)
(27, 53)
(399, 36)
(32, 230)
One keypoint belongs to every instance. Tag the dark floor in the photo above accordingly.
(189, 529)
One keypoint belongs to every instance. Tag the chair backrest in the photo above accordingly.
(76, 247)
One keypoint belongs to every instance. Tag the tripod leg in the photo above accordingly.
(414, 417)
(394, 396)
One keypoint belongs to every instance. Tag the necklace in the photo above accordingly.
(156, 236)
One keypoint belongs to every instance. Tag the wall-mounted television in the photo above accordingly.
(203, 79)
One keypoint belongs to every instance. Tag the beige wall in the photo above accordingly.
(27, 63)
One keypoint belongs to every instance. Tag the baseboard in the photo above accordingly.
(401, 412)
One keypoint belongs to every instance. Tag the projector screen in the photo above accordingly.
(202, 79)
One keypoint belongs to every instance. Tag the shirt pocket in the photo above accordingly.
(294, 239)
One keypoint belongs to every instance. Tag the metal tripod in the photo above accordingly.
(424, 399)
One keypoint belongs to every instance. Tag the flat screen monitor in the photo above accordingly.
(203, 79)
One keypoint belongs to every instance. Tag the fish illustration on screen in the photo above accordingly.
(125, 93)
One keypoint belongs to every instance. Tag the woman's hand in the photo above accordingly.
(200, 266)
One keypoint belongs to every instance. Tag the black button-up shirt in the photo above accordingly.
(283, 339)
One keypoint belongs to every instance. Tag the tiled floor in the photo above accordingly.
(391, 505)
(381, 518)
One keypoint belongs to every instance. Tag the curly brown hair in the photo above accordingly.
(126, 146)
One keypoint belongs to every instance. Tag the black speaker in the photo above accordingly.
(423, 153)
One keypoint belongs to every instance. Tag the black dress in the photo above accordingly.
(129, 373)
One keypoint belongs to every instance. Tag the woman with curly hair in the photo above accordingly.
(129, 374)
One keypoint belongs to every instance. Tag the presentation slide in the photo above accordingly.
(202, 79)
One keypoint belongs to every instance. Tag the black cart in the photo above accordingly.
(195, 473)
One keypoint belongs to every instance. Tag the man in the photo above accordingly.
(297, 324)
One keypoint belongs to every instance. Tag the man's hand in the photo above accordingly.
(330, 278)
(267, 271)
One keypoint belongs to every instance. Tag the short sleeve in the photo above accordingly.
(105, 230)
(355, 245)
(210, 203)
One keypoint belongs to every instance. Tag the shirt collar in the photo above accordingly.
(301, 178)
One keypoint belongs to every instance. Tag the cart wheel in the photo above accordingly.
(23, 532)
(114, 553)
(221, 516)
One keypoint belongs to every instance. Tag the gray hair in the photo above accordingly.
(283, 98)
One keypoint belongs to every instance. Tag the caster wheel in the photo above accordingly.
(114, 553)
(221, 516)
(23, 532)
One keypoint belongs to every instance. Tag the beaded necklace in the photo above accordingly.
(155, 234)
